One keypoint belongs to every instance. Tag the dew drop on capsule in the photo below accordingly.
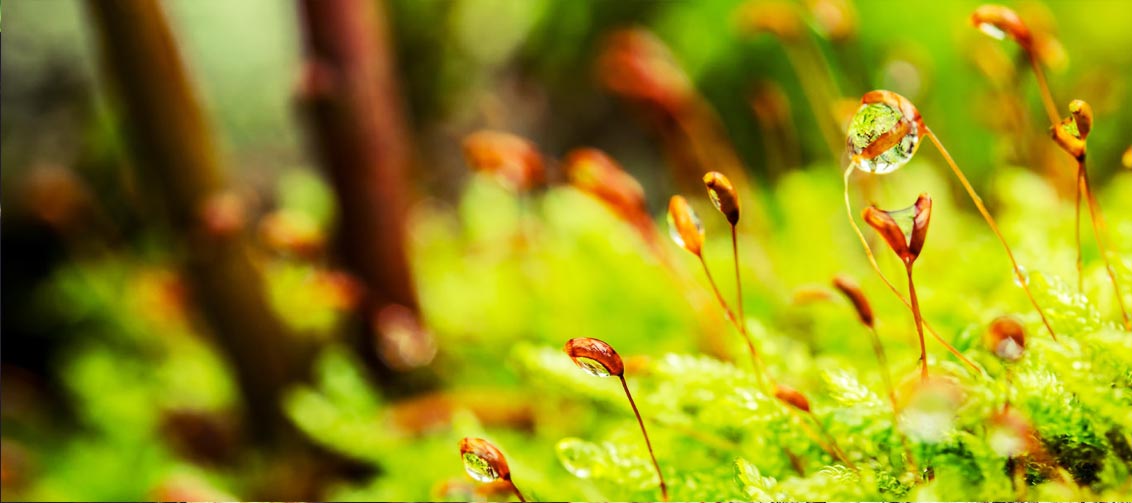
(479, 468)
(992, 30)
(592, 367)
(1021, 277)
(869, 125)
(674, 231)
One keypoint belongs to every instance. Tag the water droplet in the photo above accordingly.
(869, 126)
(992, 30)
(714, 196)
(592, 367)
(1021, 277)
(583, 459)
(674, 229)
(479, 468)
(1005, 442)
(1008, 349)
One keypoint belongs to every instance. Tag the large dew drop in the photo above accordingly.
(869, 125)
(592, 367)
(478, 468)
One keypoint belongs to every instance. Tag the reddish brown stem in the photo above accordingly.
(515, 489)
(176, 154)
(1019, 275)
(919, 322)
(349, 95)
(896, 291)
(1099, 232)
(756, 360)
(1043, 88)
(641, 422)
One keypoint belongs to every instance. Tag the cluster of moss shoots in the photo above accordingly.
(883, 136)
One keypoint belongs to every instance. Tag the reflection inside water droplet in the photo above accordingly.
(581, 458)
(674, 232)
(1021, 277)
(992, 30)
(592, 367)
(869, 126)
(714, 196)
(478, 468)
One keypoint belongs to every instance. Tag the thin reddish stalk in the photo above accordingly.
(1022, 280)
(919, 322)
(516, 490)
(876, 267)
(756, 360)
(1099, 231)
(663, 486)
(1043, 87)
(1077, 231)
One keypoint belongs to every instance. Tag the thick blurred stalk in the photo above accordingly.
(176, 157)
(349, 95)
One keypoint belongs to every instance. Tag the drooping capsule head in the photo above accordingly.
(595, 357)
(791, 397)
(1082, 115)
(483, 461)
(885, 132)
(723, 195)
(684, 225)
(1006, 338)
(999, 22)
(593, 172)
(852, 291)
(514, 161)
(904, 230)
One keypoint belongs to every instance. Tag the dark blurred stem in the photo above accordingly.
(919, 320)
(876, 267)
(177, 157)
(1099, 232)
(663, 486)
(349, 95)
(1018, 274)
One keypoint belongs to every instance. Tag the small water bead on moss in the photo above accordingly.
(1006, 338)
(881, 139)
(582, 459)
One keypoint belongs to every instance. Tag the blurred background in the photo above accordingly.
(244, 256)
